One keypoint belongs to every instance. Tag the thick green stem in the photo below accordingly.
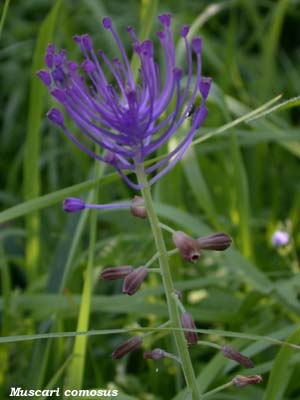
(163, 257)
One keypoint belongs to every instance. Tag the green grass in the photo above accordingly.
(59, 322)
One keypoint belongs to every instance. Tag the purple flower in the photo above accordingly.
(280, 238)
(130, 120)
(187, 246)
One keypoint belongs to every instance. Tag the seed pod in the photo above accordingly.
(187, 246)
(217, 241)
(234, 355)
(127, 347)
(133, 281)
(187, 322)
(241, 381)
(116, 272)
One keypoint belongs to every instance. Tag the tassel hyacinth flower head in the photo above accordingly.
(130, 120)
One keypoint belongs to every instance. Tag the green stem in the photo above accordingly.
(163, 257)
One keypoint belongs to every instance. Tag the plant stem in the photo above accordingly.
(163, 257)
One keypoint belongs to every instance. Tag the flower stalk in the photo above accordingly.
(163, 258)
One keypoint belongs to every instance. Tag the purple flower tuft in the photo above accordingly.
(129, 119)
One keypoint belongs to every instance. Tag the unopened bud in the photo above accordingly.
(241, 381)
(127, 347)
(234, 355)
(187, 322)
(138, 209)
(116, 272)
(133, 281)
(72, 204)
(187, 246)
(217, 241)
(155, 354)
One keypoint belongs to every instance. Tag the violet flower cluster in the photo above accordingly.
(130, 120)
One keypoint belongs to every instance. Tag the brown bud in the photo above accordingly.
(217, 241)
(116, 272)
(234, 355)
(155, 354)
(188, 323)
(241, 381)
(178, 294)
(138, 209)
(127, 347)
(133, 281)
(187, 246)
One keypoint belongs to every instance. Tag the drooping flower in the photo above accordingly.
(129, 120)
(187, 246)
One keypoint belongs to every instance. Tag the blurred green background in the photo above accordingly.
(243, 180)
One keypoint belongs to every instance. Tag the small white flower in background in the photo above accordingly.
(280, 238)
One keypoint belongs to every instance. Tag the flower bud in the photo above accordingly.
(138, 209)
(188, 323)
(155, 354)
(217, 241)
(127, 347)
(241, 381)
(72, 204)
(234, 355)
(116, 272)
(187, 246)
(133, 281)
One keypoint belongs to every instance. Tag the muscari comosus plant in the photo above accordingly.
(130, 121)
